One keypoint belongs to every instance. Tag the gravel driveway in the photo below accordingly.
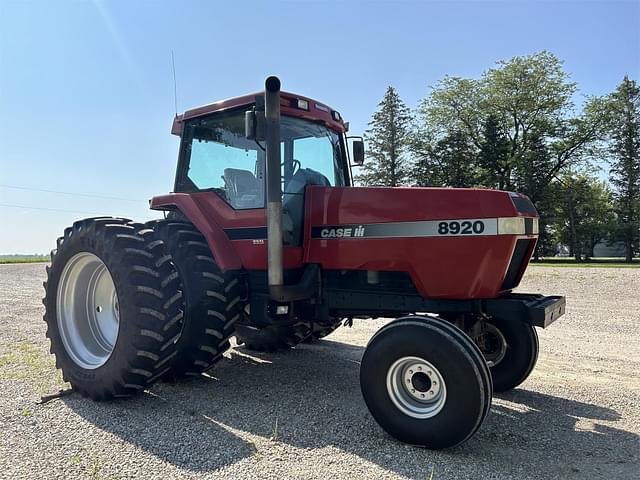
(300, 414)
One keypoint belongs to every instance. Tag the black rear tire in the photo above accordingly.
(149, 314)
(212, 298)
(516, 346)
(461, 398)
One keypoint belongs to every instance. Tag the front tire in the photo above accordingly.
(111, 317)
(511, 351)
(425, 382)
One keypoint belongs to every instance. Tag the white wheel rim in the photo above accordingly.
(416, 387)
(87, 310)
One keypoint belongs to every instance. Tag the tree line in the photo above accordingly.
(516, 128)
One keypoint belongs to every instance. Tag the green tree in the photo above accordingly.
(494, 157)
(387, 142)
(529, 102)
(625, 163)
(549, 232)
(531, 169)
(585, 212)
(451, 162)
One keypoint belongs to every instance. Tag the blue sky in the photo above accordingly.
(86, 89)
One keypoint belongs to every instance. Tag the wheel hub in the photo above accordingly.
(88, 311)
(492, 344)
(421, 382)
(416, 387)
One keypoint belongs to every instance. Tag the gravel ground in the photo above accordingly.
(300, 414)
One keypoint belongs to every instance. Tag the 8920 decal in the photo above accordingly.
(465, 227)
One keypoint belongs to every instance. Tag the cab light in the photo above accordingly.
(303, 104)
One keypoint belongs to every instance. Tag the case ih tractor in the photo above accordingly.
(265, 238)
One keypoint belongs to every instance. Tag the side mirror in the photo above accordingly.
(250, 124)
(357, 148)
(254, 125)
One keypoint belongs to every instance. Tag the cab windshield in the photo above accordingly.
(216, 156)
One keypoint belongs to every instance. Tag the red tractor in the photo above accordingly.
(265, 238)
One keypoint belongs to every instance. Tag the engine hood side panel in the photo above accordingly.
(441, 266)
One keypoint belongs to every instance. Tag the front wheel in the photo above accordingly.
(425, 382)
(510, 349)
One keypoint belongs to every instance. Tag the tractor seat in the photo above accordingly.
(242, 188)
(293, 203)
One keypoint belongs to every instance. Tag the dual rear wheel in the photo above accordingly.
(129, 303)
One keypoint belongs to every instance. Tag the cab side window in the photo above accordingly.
(222, 160)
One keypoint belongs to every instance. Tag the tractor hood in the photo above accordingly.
(364, 205)
(455, 243)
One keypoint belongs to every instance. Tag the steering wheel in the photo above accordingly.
(297, 165)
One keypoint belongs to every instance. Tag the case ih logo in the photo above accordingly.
(347, 232)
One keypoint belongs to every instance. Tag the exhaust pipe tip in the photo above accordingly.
(272, 84)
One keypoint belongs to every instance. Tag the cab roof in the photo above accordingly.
(291, 104)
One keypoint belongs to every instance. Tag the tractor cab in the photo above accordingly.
(218, 155)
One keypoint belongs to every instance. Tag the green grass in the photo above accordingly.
(33, 365)
(604, 262)
(24, 260)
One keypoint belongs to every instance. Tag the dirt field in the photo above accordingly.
(300, 414)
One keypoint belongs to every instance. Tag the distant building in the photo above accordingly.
(602, 249)
(605, 249)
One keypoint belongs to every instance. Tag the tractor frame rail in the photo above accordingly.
(534, 309)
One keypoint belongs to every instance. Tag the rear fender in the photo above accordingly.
(223, 252)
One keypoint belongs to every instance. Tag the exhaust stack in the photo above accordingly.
(274, 192)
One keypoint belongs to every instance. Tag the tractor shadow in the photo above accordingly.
(312, 394)
(183, 437)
